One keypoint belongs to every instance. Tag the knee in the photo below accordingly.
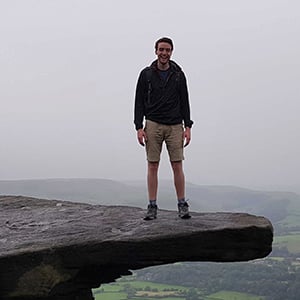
(153, 166)
(177, 166)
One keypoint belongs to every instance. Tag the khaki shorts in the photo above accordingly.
(172, 135)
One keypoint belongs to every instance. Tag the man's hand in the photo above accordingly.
(141, 136)
(187, 136)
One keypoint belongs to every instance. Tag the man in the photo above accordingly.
(162, 99)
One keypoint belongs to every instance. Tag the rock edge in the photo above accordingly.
(52, 249)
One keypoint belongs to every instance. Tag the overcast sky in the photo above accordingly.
(68, 70)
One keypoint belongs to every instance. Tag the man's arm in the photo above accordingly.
(185, 105)
(139, 103)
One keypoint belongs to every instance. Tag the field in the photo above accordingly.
(145, 290)
(292, 220)
(225, 295)
(110, 296)
(141, 290)
(291, 242)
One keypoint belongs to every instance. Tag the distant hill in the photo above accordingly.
(277, 206)
(93, 191)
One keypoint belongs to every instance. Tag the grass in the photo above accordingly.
(276, 258)
(159, 294)
(115, 291)
(170, 298)
(291, 241)
(160, 287)
(110, 296)
(227, 295)
(139, 285)
(113, 287)
(123, 296)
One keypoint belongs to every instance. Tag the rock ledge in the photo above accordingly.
(53, 249)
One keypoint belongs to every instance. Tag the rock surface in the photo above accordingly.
(53, 249)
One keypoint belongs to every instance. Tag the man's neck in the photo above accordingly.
(163, 67)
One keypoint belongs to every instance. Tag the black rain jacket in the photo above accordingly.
(162, 101)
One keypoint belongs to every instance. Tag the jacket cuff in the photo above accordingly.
(139, 126)
(188, 124)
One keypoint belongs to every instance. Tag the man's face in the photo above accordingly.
(163, 52)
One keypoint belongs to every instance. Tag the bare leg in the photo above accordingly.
(152, 180)
(179, 180)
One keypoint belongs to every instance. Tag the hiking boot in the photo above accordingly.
(183, 210)
(151, 212)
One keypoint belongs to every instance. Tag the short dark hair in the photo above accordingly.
(164, 40)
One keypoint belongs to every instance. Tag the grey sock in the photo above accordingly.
(152, 202)
(181, 201)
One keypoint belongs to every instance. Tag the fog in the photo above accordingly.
(68, 75)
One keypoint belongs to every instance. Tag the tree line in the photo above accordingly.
(270, 278)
